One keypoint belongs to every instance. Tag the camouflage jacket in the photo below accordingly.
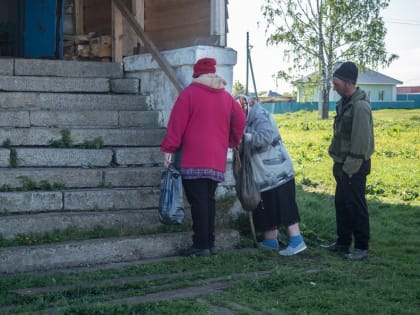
(353, 139)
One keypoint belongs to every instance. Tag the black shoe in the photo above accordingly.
(195, 252)
(357, 254)
(213, 251)
(334, 247)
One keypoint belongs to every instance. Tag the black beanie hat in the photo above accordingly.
(347, 71)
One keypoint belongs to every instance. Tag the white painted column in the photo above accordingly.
(218, 20)
(153, 80)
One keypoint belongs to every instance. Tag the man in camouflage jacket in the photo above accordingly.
(351, 148)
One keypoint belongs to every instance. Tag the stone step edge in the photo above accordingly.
(78, 119)
(39, 224)
(103, 251)
(73, 101)
(60, 68)
(89, 199)
(50, 84)
(108, 156)
(43, 136)
(64, 178)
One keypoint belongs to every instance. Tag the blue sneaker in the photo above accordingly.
(289, 251)
(269, 244)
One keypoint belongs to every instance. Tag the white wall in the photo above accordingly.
(154, 81)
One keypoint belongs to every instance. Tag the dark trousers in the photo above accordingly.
(200, 194)
(351, 209)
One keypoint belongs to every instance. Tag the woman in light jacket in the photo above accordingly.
(273, 172)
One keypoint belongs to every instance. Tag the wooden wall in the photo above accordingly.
(97, 16)
(170, 24)
(174, 24)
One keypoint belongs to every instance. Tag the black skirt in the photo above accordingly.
(277, 208)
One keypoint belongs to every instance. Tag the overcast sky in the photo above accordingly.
(402, 20)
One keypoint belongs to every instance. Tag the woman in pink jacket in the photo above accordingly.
(204, 122)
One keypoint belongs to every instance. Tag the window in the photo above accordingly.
(381, 95)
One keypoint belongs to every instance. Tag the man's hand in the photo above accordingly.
(351, 165)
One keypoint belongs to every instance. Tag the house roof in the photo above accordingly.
(366, 77)
(374, 77)
(408, 89)
(273, 93)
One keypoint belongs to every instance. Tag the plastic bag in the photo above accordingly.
(246, 188)
(171, 202)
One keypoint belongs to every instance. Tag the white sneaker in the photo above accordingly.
(289, 251)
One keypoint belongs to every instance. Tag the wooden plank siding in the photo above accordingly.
(97, 16)
(126, 42)
(174, 24)
(78, 17)
(170, 24)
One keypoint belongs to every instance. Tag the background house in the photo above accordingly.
(379, 87)
(408, 90)
(409, 94)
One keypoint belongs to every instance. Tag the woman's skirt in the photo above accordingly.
(277, 208)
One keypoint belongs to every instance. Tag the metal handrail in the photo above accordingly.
(163, 63)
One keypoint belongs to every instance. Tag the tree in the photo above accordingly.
(292, 94)
(238, 88)
(319, 33)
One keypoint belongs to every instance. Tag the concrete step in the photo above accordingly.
(73, 101)
(103, 251)
(48, 84)
(53, 189)
(69, 85)
(12, 226)
(74, 177)
(39, 224)
(87, 158)
(85, 118)
(60, 68)
(36, 157)
(95, 199)
(40, 136)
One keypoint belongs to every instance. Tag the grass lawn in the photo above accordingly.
(314, 282)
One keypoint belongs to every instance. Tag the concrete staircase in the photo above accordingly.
(79, 150)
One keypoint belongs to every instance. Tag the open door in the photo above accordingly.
(43, 29)
(10, 39)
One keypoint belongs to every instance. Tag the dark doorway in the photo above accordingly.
(31, 28)
(10, 27)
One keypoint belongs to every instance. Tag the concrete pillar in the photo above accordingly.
(154, 81)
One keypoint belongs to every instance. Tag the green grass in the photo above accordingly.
(67, 142)
(395, 163)
(314, 282)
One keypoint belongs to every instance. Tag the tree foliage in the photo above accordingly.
(319, 33)
(238, 88)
